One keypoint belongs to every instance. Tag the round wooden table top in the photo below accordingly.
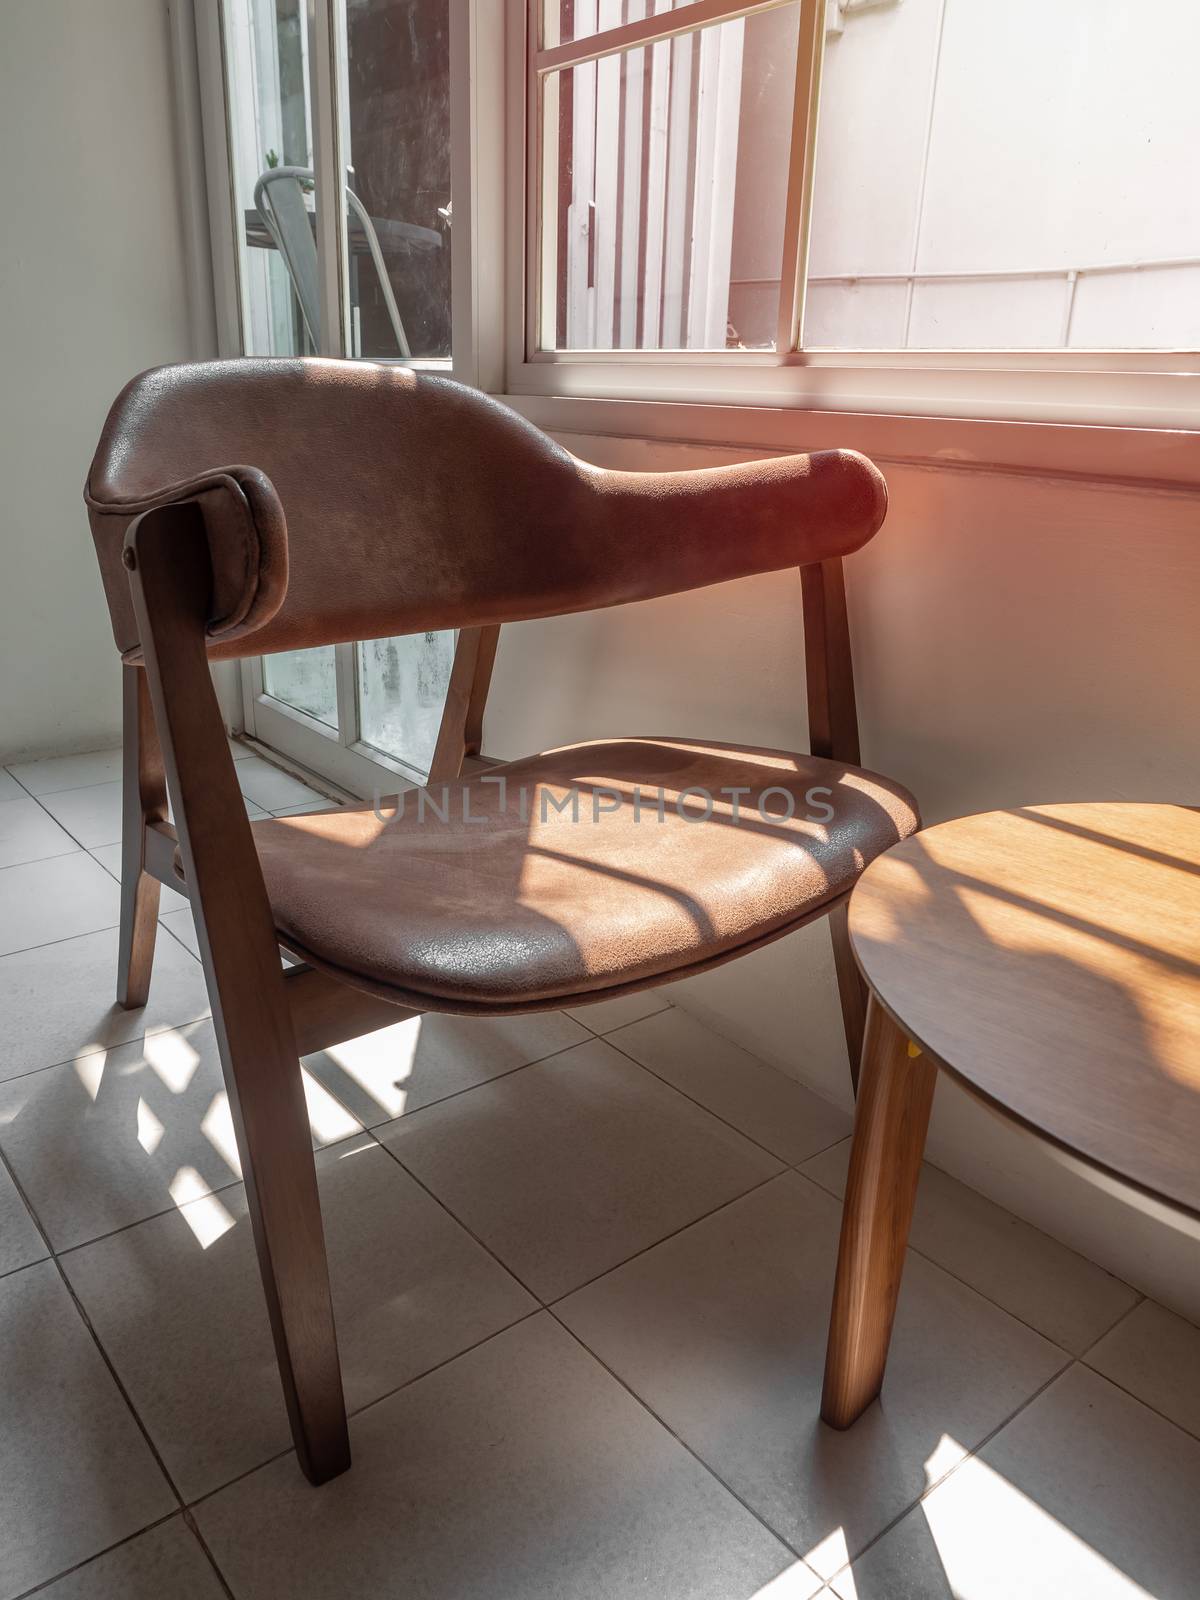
(1049, 957)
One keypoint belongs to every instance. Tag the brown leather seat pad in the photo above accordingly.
(511, 903)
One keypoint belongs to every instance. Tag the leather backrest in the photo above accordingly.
(344, 500)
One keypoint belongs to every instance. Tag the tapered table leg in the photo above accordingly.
(895, 1094)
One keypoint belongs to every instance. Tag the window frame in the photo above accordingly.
(1146, 388)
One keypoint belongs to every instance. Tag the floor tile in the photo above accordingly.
(1086, 1493)
(606, 1015)
(178, 1306)
(519, 1472)
(10, 789)
(425, 1059)
(20, 1242)
(239, 751)
(307, 809)
(57, 1000)
(27, 833)
(766, 1106)
(722, 1331)
(1061, 1294)
(121, 1135)
(182, 924)
(109, 857)
(76, 1472)
(1156, 1356)
(44, 901)
(68, 772)
(271, 788)
(569, 1166)
(164, 1563)
(91, 815)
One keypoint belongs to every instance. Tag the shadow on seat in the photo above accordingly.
(245, 507)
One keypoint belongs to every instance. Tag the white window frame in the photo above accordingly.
(1149, 389)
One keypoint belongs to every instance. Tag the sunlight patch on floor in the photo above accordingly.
(172, 1058)
(205, 1214)
(149, 1129)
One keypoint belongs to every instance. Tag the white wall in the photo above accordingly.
(92, 290)
(1016, 640)
(1008, 135)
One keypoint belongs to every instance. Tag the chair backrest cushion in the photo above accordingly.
(344, 500)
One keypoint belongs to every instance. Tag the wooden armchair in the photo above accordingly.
(413, 503)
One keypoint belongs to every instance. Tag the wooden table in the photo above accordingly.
(1047, 958)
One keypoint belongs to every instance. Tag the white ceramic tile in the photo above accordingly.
(177, 1304)
(28, 833)
(10, 789)
(415, 1063)
(44, 901)
(722, 1329)
(605, 1015)
(321, 804)
(1156, 1356)
(239, 751)
(571, 1165)
(766, 1106)
(76, 1472)
(91, 815)
(1061, 1294)
(272, 789)
(57, 773)
(20, 1242)
(182, 924)
(164, 1563)
(519, 1472)
(57, 1000)
(109, 857)
(1084, 1494)
(121, 1135)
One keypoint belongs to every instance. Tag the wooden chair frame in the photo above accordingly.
(266, 1018)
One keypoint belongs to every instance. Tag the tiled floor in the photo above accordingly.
(581, 1266)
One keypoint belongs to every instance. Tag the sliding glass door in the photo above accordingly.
(336, 132)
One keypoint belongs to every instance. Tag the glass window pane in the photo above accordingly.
(566, 20)
(396, 142)
(665, 186)
(267, 70)
(402, 685)
(306, 680)
(1007, 174)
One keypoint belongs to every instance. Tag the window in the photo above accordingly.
(664, 178)
(822, 187)
(336, 119)
(377, 137)
(948, 208)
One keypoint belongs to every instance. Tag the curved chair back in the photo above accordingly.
(348, 501)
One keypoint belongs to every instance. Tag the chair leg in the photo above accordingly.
(894, 1101)
(852, 988)
(143, 800)
(271, 1121)
(167, 557)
